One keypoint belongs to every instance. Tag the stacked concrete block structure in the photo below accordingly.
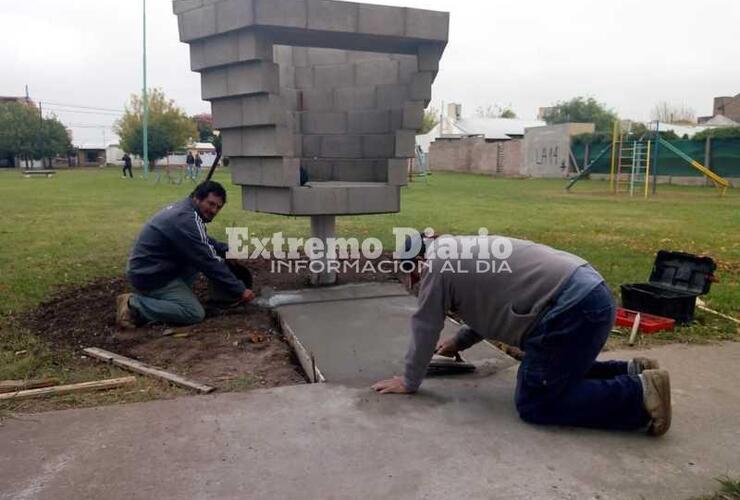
(336, 88)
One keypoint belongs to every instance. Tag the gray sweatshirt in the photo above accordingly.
(503, 305)
(173, 241)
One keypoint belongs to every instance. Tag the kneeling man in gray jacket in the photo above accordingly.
(557, 309)
(172, 248)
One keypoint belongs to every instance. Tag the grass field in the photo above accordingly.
(80, 225)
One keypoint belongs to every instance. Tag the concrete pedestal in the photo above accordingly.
(323, 227)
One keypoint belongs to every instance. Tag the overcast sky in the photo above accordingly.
(629, 54)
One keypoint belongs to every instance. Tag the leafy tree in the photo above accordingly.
(55, 140)
(431, 119)
(170, 128)
(204, 124)
(158, 142)
(19, 128)
(582, 110)
(637, 132)
(508, 113)
(597, 138)
(718, 133)
(24, 133)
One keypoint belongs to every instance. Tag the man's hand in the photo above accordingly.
(447, 347)
(393, 385)
(248, 296)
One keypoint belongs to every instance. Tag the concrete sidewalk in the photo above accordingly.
(456, 439)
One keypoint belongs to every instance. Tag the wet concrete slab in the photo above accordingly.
(357, 334)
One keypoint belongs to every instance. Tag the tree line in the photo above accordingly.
(27, 135)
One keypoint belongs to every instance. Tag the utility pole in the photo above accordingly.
(656, 156)
(41, 131)
(146, 107)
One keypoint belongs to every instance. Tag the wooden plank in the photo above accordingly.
(144, 369)
(23, 385)
(306, 359)
(29, 173)
(97, 385)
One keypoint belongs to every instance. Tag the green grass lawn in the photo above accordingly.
(81, 224)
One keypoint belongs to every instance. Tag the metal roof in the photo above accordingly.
(495, 128)
(721, 121)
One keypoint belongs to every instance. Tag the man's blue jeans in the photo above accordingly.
(175, 303)
(559, 382)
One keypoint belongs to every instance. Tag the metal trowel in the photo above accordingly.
(442, 365)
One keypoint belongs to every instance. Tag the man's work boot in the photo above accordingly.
(657, 400)
(126, 317)
(639, 365)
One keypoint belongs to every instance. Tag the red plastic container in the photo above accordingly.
(648, 322)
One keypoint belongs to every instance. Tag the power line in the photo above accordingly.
(83, 107)
(107, 113)
(73, 125)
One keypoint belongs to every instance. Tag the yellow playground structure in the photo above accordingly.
(632, 163)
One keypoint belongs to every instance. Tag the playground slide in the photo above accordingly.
(719, 181)
(587, 170)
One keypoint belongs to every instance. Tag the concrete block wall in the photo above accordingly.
(369, 25)
(476, 155)
(728, 106)
(546, 149)
(338, 88)
(450, 155)
(342, 106)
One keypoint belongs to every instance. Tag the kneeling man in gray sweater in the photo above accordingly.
(172, 248)
(557, 309)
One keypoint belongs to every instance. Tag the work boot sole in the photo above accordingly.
(657, 400)
(124, 318)
(642, 364)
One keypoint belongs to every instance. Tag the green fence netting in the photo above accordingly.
(724, 158)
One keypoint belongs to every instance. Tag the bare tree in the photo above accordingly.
(495, 111)
(673, 113)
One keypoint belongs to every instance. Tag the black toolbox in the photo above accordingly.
(676, 281)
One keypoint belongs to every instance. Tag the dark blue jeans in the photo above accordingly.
(559, 382)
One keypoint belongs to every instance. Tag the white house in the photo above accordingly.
(453, 125)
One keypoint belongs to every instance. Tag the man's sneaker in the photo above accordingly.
(657, 400)
(639, 365)
(126, 317)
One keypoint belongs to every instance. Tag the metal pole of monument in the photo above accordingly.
(145, 101)
(323, 227)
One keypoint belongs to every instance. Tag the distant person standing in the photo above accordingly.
(127, 166)
(198, 165)
(190, 162)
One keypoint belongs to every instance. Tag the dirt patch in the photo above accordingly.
(231, 350)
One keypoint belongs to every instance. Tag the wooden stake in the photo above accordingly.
(22, 385)
(98, 385)
(144, 369)
(635, 329)
(700, 303)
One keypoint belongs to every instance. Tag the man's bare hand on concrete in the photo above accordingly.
(393, 385)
